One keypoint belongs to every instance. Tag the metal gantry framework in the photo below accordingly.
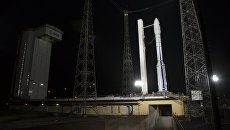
(85, 78)
(196, 74)
(127, 77)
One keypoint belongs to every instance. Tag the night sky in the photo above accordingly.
(108, 28)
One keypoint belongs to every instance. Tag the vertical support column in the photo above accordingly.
(142, 56)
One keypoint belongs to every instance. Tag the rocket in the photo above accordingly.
(161, 73)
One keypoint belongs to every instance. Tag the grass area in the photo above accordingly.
(8, 115)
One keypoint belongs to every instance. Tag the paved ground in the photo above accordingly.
(78, 123)
(34, 121)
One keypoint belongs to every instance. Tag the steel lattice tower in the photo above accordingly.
(127, 77)
(196, 74)
(85, 79)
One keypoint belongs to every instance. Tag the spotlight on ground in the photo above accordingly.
(215, 78)
(138, 83)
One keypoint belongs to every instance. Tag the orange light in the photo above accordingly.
(49, 91)
(65, 89)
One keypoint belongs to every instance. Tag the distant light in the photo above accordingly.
(215, 78)
(49, 91)
(41, 84)
(75, 97)
(42, 104)
(25, 104)
(138, 83)
(34, 83)
(57, 104)
(65, 89)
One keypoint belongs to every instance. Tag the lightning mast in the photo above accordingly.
(85, 78)
(127, 74)
(127, 79)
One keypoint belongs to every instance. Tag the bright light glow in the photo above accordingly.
(25, 104)
(215, 78)
(42, 104)
(57, 104)
(41, 84)
(138, 83)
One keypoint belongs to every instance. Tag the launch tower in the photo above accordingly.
(196, 74)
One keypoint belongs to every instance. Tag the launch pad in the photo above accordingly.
(116, 106)
(196, 77)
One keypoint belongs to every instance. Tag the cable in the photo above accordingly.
(150, 7)
(138, 10)
(151, 41)
(117, 6)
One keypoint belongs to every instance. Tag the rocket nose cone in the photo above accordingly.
(156, 21)
(157, 29)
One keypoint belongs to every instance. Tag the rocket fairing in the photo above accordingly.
(161, 73)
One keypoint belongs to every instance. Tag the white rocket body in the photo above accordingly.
(161, 73)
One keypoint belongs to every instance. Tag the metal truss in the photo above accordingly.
(127, 77)
(85, 78)
(196, 74)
